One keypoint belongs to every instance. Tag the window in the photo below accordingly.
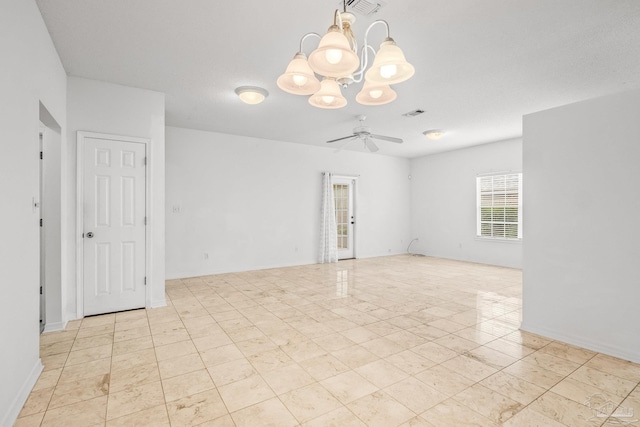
(499, 203)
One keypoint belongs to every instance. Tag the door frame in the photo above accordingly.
(81, 136)
(354, 211)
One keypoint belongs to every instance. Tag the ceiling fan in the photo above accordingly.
(364, 133)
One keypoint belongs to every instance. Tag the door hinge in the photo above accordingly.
(41, 155)
(144, 161)
(145, 280)
(145, 220)
(40, 222)
(40, 290)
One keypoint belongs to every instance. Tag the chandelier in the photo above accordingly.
(336, 61)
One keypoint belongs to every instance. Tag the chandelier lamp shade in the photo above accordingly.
(337, 63)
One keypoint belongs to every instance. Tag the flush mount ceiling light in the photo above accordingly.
(336, 61)
(434, 134)
(251, 94)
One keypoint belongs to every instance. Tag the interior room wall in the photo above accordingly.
(251, 203)
(443, 203)
(101, 107)
(581, 277)
(31, 73)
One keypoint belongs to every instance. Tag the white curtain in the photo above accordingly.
(328, 228)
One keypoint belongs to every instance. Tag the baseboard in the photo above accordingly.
(23, 394)
(584, 342)
(54, 327)
(159, 303)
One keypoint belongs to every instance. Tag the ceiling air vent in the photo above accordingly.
(363, 7)
(413, 113)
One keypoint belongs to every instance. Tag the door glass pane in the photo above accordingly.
(341, 199)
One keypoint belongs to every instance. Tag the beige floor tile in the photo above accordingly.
(82, 343)
(130, 346)
(552, 363)
(580, 392)
(425, 329)
(531, 418)
(534, 374)
(133, 333)
(56, 347)
(604, 381)
(380, 409)
(90, 354)
(48, 379)
(456, 343)
(453, 413)
(434, 352)
(196, 409)
(561, 409)
(490, 357)
(55, 361)
(178, 349)
(133, 377)
(348, 386)
(354, 356)
(30, 420)
(569, 352)
(156, 417)
(287, 378)
(444, 380)
(491, 404)
(309, 402)
(324, 366)
(382, 347)
(134, 399)
(229, 372)
(513, 387)
(81, 390)
(86, 413)
(510, 348)
(415, 395)
(381, 373)
(470, 368)
(270, 413)
(37, 401)
(341, 417)
(614, 366)
(185, 385)
(85, 370)
(180, 365)
(241, 394)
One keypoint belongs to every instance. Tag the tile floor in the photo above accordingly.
(392, 341)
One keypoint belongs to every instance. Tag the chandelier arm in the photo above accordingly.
(337, 19)
(358, 75)
(307, 36)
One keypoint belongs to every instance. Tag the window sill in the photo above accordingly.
(498, 240)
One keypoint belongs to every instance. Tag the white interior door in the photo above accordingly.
(114, 225)
(345, 219)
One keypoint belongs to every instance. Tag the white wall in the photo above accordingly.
(253, 203)
(109, 108)
(582, 186)
(443, 203)
(31, 73)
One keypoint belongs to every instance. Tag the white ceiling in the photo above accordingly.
(480, 65)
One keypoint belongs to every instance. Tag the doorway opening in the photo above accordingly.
(344, 202)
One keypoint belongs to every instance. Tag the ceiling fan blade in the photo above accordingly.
(387, 138)
(340, 139)
(345, 144)
(370, 145)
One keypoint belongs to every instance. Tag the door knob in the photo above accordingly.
(90, 234)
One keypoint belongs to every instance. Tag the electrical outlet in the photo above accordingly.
(177, 209)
